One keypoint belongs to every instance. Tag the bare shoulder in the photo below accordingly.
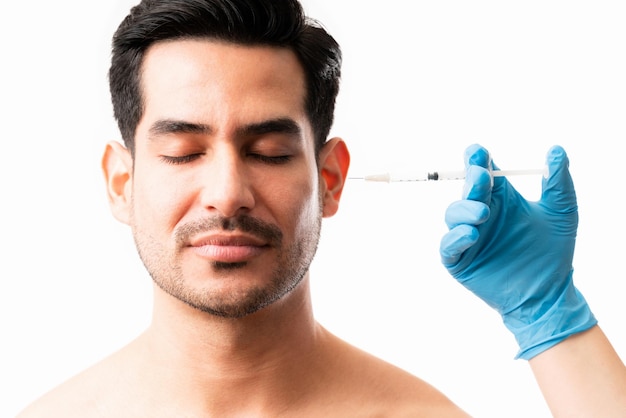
(63, 400)
(342, 380)
(79, 396)
(373, 387)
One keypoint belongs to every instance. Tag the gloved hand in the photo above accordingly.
(517, 255)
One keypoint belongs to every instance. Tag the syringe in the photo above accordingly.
(443, 175)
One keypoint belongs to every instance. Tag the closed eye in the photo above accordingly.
(183, 159)
(271, 159)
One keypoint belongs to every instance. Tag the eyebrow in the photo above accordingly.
(281, 125)
(169, 126)
(278, 125)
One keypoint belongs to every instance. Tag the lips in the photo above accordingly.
(228, 248)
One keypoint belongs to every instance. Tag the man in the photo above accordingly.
(225, 174)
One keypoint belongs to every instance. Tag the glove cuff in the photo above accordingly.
(568, 315)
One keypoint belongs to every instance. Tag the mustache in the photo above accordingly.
(244, 223)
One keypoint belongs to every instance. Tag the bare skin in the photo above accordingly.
(276, 361)
(595, 376)
(294, 369)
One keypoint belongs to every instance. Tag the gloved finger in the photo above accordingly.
(466, 212)
(476, 154)
(478, 184)
(558, 192)
(455, 242)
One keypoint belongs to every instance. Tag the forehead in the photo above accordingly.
(221, 83)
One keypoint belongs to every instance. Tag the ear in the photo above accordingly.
(117, 166)
(334, 162)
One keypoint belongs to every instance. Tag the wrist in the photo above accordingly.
(549, 325)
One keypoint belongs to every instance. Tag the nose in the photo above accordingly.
(227, 187)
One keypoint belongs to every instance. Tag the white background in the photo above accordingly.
(422, 80)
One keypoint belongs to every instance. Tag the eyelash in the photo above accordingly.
(275, 160)
(180, 160)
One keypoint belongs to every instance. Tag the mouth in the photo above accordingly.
(225, 241)
(228, 248)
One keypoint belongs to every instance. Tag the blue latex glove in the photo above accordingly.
(517, 255)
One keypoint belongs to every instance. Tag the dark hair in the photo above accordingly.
(279, 23)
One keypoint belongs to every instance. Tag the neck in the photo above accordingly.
(240, 356)
(182, 328)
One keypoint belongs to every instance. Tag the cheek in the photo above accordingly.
(157, 202)
(304, 204)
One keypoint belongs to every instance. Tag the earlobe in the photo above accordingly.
(117, 167)
(334, 163)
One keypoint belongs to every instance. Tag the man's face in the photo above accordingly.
(226, 206)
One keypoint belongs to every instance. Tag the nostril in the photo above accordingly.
(229, 198)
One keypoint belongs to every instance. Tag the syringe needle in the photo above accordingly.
(443, 175)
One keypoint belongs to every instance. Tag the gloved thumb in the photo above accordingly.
(558, 194)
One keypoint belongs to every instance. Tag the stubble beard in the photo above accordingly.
(292, 264)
